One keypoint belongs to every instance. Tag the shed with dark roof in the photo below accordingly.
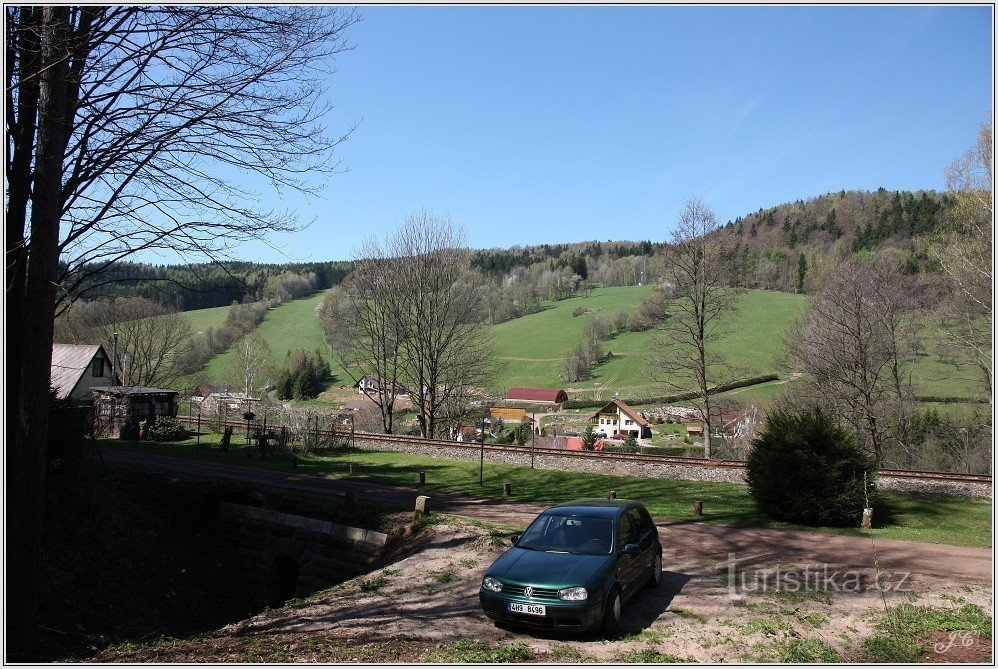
(119, 410)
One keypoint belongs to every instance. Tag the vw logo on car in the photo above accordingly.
(574, 566)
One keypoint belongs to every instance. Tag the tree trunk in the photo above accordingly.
(23, 48)
(26, 460)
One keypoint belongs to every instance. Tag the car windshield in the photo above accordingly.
(568, 534)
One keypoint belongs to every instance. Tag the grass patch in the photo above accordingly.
(561, 652)
(373, 584)
(477, 652)
(801, 651)
(650, 656)
(931, 518)
(903, 631)
(689, 615)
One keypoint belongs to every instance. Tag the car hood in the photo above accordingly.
(550, 570)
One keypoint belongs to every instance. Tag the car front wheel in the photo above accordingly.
(611, 614)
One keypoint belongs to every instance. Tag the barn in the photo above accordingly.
(537, 395)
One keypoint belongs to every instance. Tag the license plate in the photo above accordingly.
(529, 609)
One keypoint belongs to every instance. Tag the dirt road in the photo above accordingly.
(681, 540)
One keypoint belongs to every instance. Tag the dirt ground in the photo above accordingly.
(419, 608)
(432, 596)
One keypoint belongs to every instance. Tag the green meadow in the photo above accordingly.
(530, 350)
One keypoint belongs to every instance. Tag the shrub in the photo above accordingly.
(167, 429)
(805, 469)
(303, 376)
(589, 439)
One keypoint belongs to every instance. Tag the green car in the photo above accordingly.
(575, 565)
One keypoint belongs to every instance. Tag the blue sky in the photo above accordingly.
(553, 124)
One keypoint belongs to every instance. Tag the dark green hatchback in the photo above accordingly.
(575, 565)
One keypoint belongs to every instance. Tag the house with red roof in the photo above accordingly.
(537, 396)
(616, 418)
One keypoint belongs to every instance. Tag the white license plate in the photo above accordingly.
(529, 609)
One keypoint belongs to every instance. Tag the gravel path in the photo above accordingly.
(682, 540)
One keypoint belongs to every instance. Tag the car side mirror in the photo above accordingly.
(632, 549)
(514, 538)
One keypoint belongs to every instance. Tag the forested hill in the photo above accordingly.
(783, 248)
(779, 248)
(200, 286)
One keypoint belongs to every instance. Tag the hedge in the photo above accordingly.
(678, 397)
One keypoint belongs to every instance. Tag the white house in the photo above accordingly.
(616, 418)
(77, 368)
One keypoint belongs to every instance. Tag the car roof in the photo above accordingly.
(594, 507)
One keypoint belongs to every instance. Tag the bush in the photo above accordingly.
(167, 429)
(805, 469)
(304, 375)
(620, 448)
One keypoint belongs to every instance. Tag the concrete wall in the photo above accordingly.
(323, 553)
(574, 463)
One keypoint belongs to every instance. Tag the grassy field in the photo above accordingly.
(203, 319)
(929, 518)
(288, 327)
(530, 349)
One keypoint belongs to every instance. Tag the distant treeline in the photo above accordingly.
(187, 287)
(788, 247)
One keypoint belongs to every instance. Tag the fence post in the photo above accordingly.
(422, 478)
(698, 509)
(613, 494)
(507, 489)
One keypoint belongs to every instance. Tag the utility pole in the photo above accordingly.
(533, 438)
(114, 358)
(481, 458)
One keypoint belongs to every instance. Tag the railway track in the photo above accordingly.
(664, 460)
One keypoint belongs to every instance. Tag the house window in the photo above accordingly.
(97, 369)
(162, 408)
(140, 409)
(627, 422)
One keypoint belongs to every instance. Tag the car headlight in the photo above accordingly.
(573, 594)
(492, 584)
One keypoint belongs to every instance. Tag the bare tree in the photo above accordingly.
(856, 344)
(252, 360)
(446, 349)
(685, 355)
(151, 339)
(966, 255)
(117, 118)
(362, 327)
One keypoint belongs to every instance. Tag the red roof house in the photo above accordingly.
(538, 395)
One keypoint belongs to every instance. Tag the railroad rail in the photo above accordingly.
(984, 479)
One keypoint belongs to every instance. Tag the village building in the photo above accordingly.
(552, 397)
(77, 368)
(221, 400)
(371, 385)
(619, 421)
(119, 411)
